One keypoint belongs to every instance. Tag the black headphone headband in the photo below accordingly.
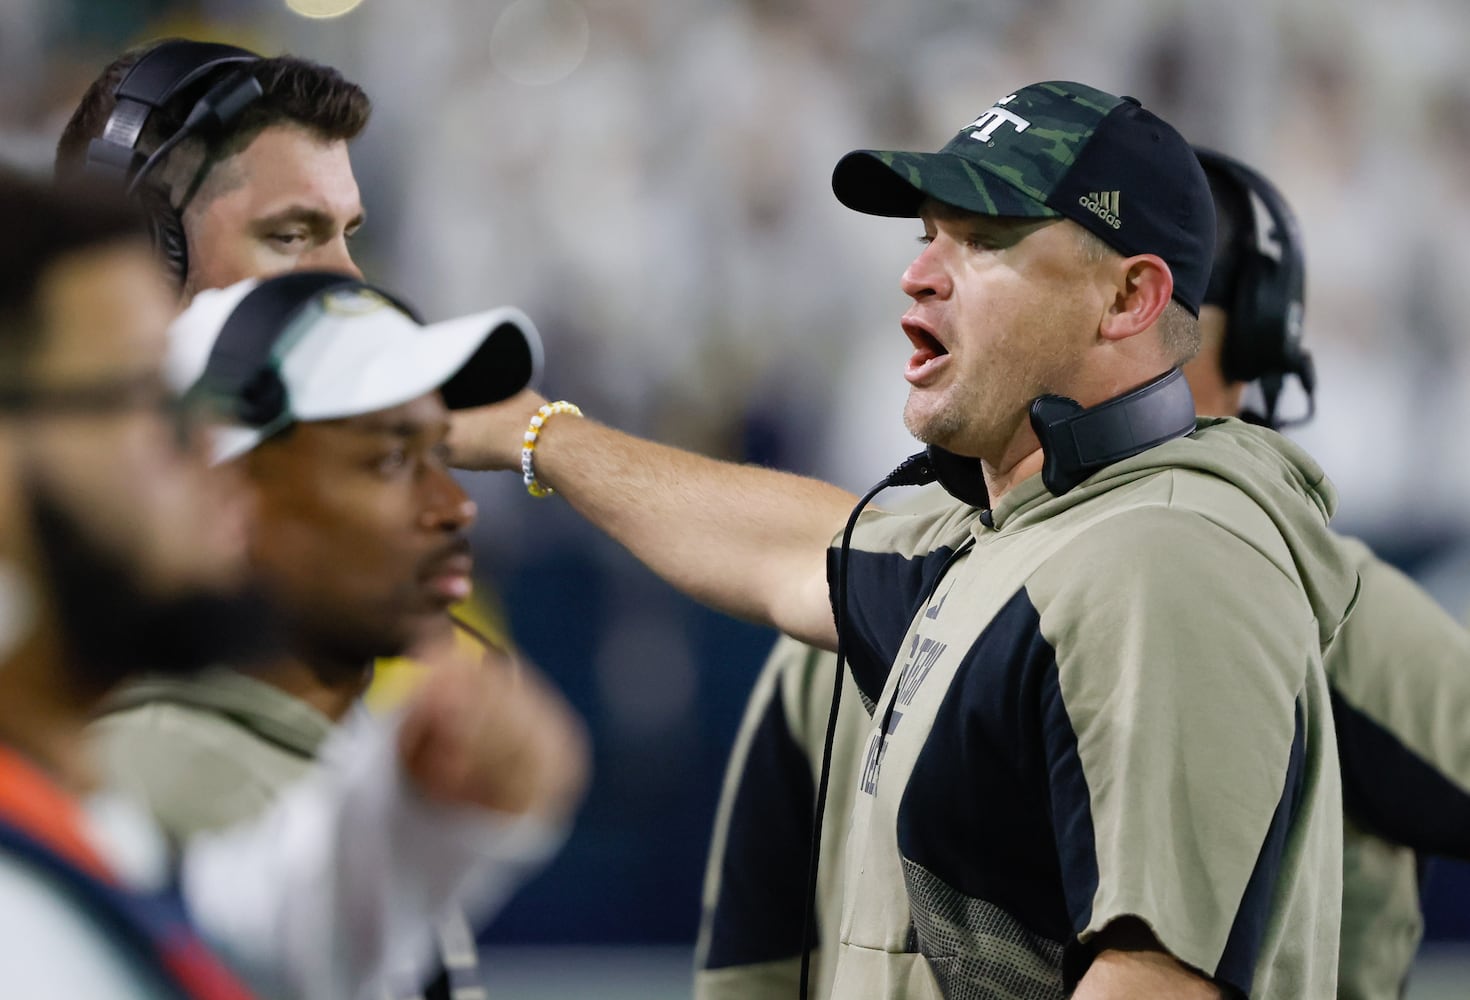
(1263, 338)
(154, 81)
(1076, 442)
(166, 73)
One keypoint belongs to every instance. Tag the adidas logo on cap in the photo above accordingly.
(1104, 205)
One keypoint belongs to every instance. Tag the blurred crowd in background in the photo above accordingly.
(649, 179)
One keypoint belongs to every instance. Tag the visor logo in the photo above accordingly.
(354, 302)
(1104, 205)
(993, 119)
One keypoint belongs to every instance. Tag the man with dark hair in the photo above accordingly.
(119, 554)
(1400, 665)
(269, 191)
(1101, 762)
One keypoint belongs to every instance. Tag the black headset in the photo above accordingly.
(170, 72)
(1075, 442)
(1264, 284)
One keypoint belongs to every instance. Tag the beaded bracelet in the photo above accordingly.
(528, 449)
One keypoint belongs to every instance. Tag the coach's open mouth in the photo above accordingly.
(929, 353)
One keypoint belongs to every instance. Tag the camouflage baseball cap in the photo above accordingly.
(1059, 149)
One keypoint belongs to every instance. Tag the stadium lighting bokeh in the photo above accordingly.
(321, 9)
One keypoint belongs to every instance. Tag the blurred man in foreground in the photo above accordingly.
(122, 556)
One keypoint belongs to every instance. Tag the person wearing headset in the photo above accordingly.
(120, 555)
(1399, 671)
(241, 163)
(1101, 762)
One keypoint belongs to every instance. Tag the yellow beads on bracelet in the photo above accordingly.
(528, 447)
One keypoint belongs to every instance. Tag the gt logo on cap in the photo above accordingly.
(353, 302)
(993, 119)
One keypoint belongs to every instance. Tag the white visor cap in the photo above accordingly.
(310, 346)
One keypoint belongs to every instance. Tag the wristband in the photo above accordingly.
(528, 447)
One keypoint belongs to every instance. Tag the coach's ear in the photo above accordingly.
(1140, 288)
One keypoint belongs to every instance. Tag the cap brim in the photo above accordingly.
(505, 362)
(895, 184)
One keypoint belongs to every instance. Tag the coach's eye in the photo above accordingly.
(288, 240)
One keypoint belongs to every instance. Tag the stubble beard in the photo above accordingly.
(937, 425)
(965, 421)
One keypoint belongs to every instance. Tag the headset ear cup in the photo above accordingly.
(1246, 341)
(1271, 347)
(262, 400)
(168, 236)
(167, 231)
(166, 79)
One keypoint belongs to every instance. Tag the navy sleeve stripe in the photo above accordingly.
(883, 591)
(1394, 792)
(1238, 961)
(763, 871)
(1000, 841)
(1071, 804)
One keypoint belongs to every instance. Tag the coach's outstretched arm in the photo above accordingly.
(751, 542)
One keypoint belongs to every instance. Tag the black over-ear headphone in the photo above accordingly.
(1263, 340)
(241, 366)
(170, 71)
